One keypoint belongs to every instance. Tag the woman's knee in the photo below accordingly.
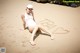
(31, 30)
(40, 26)
(35, 28)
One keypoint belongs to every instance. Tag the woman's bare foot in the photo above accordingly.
(32, 43)
(52, 37)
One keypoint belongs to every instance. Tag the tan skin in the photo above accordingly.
(33, 30)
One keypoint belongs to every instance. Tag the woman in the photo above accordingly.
(29, 22)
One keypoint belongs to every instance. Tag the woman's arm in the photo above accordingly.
(24, 23)
(33, 15)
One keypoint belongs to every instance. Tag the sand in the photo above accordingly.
(62, 21)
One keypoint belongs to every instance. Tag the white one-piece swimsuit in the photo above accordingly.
(29, 20)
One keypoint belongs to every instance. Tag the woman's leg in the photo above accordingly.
(33, 34)
(47, 31)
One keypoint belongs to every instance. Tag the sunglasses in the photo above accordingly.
(30, 8)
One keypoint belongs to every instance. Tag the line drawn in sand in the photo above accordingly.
(60, 30)
(50, 25)
(47, 23)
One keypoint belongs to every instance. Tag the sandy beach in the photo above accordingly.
(62, 21)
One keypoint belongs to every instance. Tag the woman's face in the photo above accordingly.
(29, 10)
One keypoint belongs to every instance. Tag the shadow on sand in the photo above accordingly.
(39, 32)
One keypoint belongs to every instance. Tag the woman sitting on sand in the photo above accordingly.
(29, 22)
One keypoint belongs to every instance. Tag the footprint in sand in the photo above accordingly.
(24, 43)
(13, 41)
(2, 44)
(27, 51)
(1, 17)
(9, 26)
(0, 32)
(35, 48)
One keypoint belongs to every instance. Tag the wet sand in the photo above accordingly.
(62, 21)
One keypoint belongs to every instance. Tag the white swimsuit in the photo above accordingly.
(29, 20)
